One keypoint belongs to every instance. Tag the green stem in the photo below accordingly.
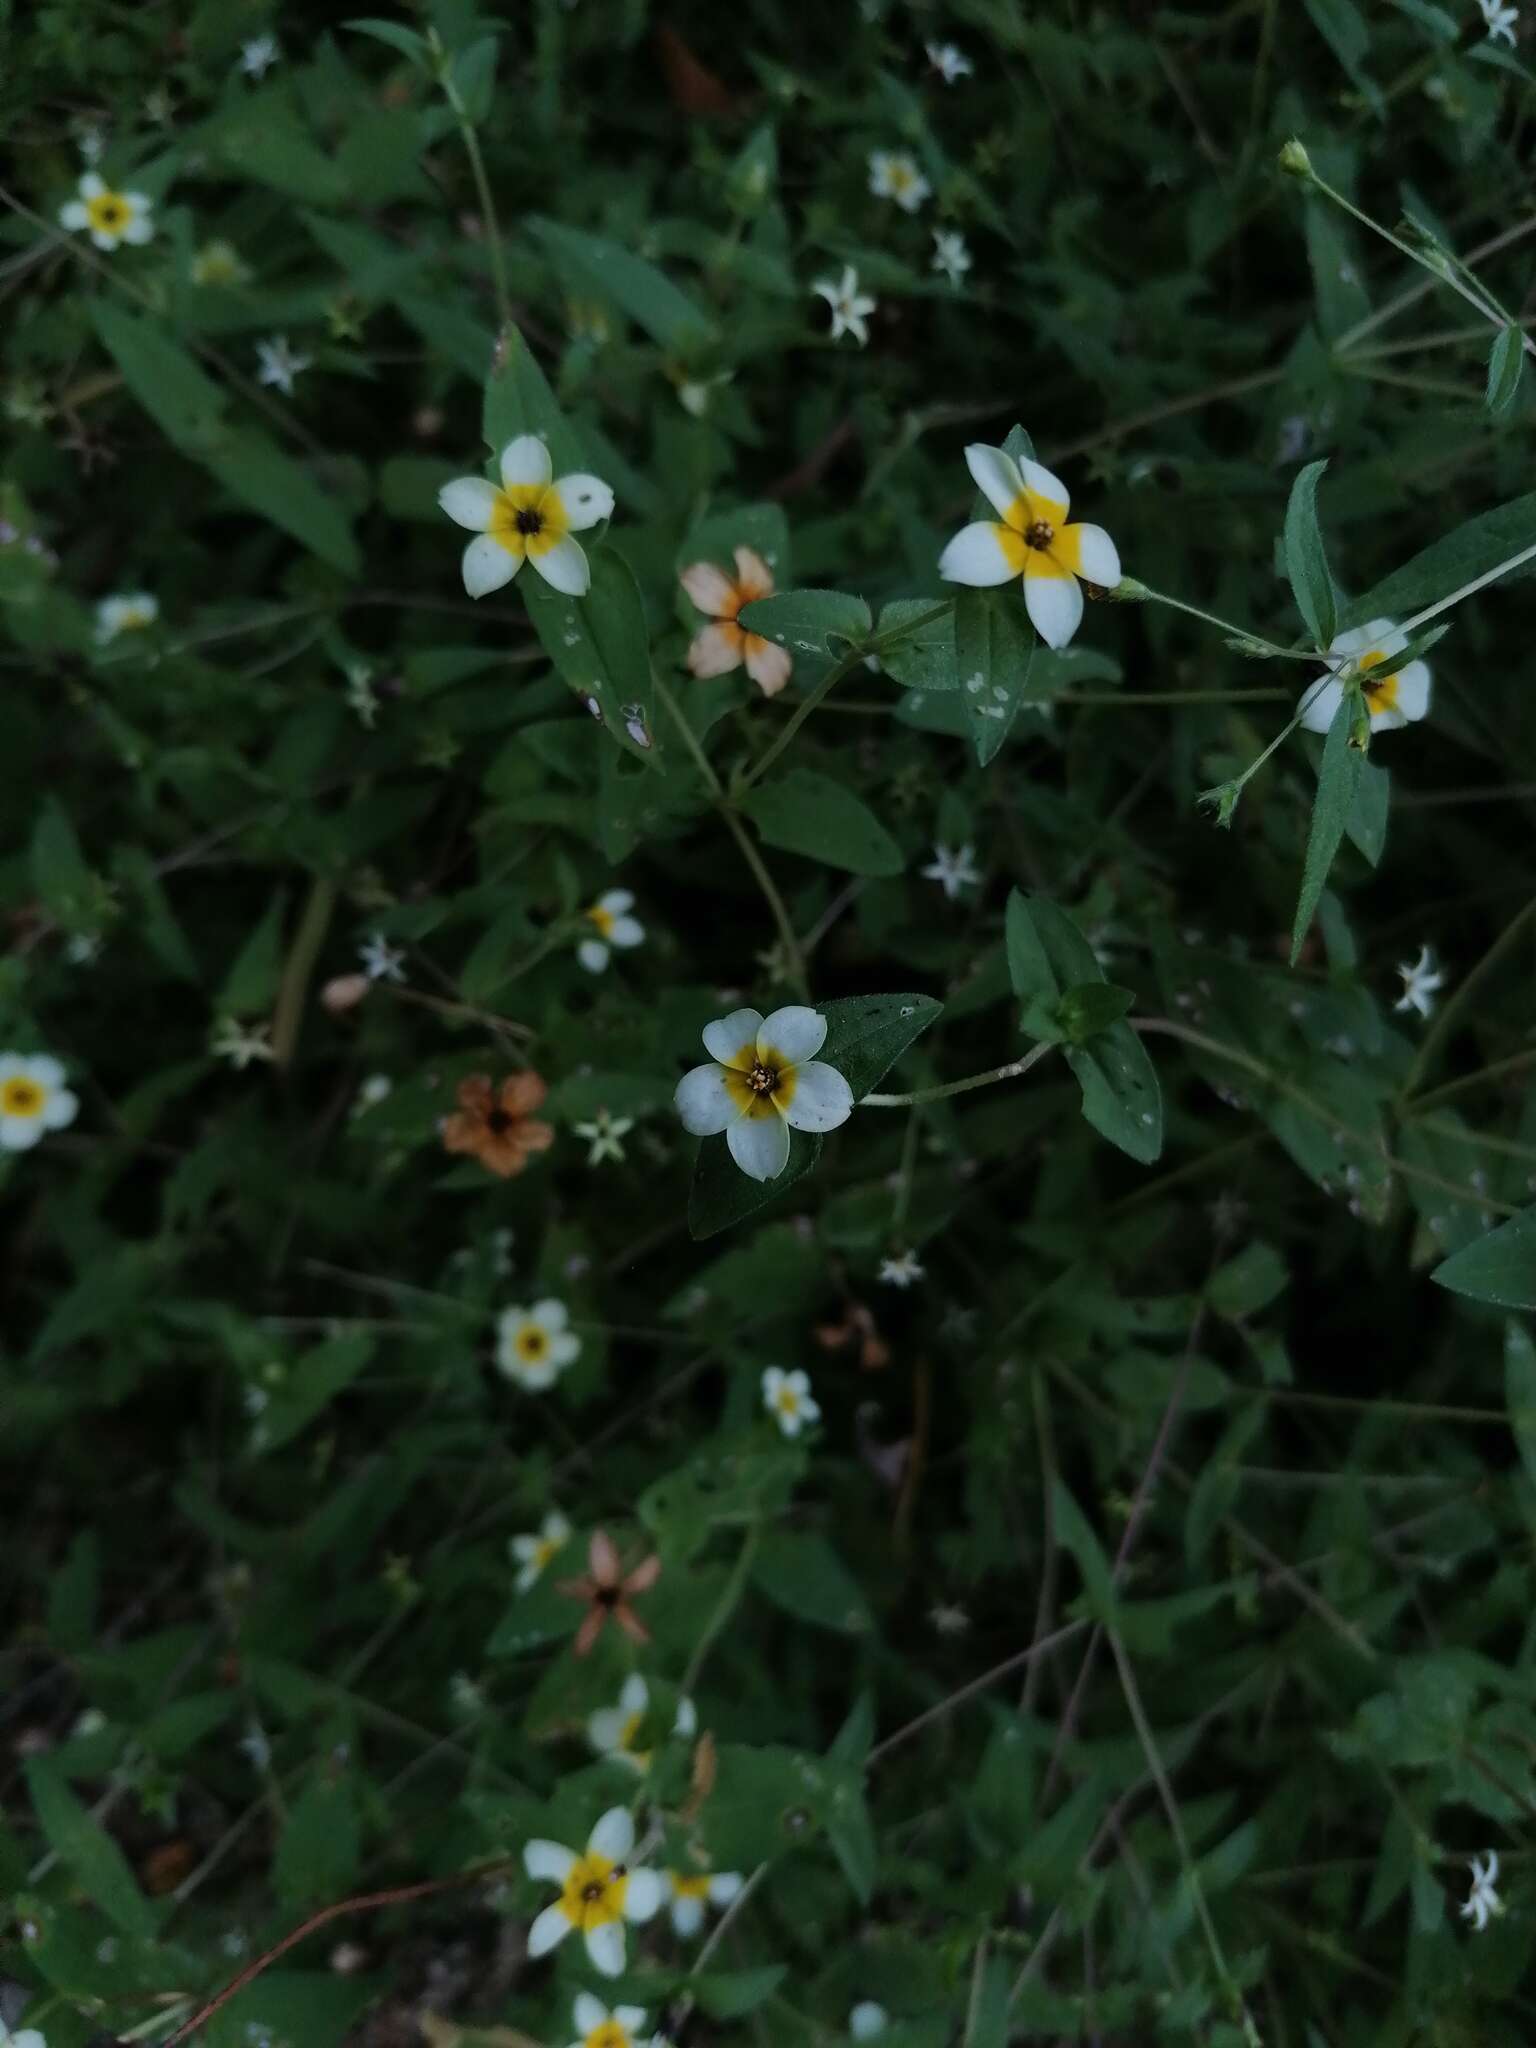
(1226, 626)
(288, 1011)
(1127, 698)
(735, 1586)
(1411, 295)
(1445, 1023)
(1008, 1073)
(1466, 590)
(1493, 1072)
(489, 221)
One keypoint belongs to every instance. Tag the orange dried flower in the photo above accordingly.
(497, 1125)
(608, 1592)
(723, 644)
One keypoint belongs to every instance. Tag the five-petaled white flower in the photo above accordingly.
(1483, 1901)
(130, 613)
(851, 308)
(259, 55)
(605, 1135)
(109, 217)
(241, 1043)
(598, 1891)
(1422, 980)
(952, 871)
(533, 1345)
(277, 364)
(615, 1731)
(787, 1397)
(528, 518)
(533, 1554)
(868, 2019)
(950, 254)
(893, 174)
(903, 1271)
(609, 917)
(33, 1099)
(1499, 21)
(950, 63)
(692, 1890)
(381, 961)
(1031, 539)
(598, 2027)
(1393, 697)
(762, 1082)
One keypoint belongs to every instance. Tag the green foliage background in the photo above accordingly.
(1234, 1505)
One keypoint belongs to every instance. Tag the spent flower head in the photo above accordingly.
(496, 1125)
(725, 644)
(608, 1590)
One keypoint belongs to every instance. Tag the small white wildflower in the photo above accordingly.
(259, 55)
(465, 1695)
(1499, 21)
(692, 1890)
(868, 2019)
(256, 1747)
(362, 697)
(893, 174)
(614, 1732)
(218, 263)
(531, 516)
(110, 218)
(373, 1089)
(533, 1554)
(1393, 697)
(952, 871)
(1030, 538)
(381, 961)
(240, 1044)
(599, 1891)
(598, 2026)
(1422, 980)
(904, 1271)
(950, 254)
(33, 1099)
(605, 1135)
(277, 364)
(787, 1397)
(951, 64)
(610, 919)
(850, 307)
(130, 613)
(1483, 1901)
(763, 1081)
(948, 1620)
(534, 1346)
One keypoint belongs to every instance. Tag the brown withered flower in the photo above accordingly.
(497, 1125)
(608, 1592)
(857, 1327)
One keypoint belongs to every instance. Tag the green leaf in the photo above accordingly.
(72, 1594)
(762, 527)
(1073, 1531)
(251, 982)
(253, 468)
(813, 815)
(754, 172)
(803, 1574)
(1344, 29)
(1506, 360)
(473, 72)
(1306, 562)
(310, 1386)
(185, 404)
(61, 874)
(594, 265)
(600, 643)
(1366, 822)
(1499, 1268)
(923, 659)
(1520, 1392)
(1461, 557)
(88, 1852)
(319, 1849)
(1338, 782)
(1121, 1096)
(728, 1994)
(1091, 1007)
(994, 645)
(987, 2022)
(405, 40)
(852, 1835)
(518, 400)
(810, 621)
(1047, 954)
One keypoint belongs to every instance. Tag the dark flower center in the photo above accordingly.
(529, 521)
(763, 1080)
(1040, 535)
(499, 1121)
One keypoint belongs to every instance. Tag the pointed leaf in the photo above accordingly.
(1338, 783)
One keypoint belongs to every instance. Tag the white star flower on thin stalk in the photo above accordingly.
(530, 517)
(904, 1271)
(381, 961)
(951, 64)
(534, 1346)
(763, 1081)
(1499, 21)
(1031, 539)
(1483, 1902)
(610, 919)
(851, 308)
(692, 1890)
(605, 1135)
(950, 254)
(33, 1099)
(1422, 981)
(240, 1044)
(129, 613)
(893, 174)
(599, 2027)
(598, 1892)
(259, 55)
(1393, 697)
(614, 1732)
(533, 1555)
(868, 2019)
(787, 1397)
(277, 364)
(952, 871)
(110, 218)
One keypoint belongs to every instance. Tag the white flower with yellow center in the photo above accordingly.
(533, 1555)
(130, 613)
(692, 1890)
(1393, 696)
(219, 263)
(529, 518)
(893, 174)
(33, 1099)
(788, 1399)
(533, 1345)
(108, 217)
(850, 307)
(610, 919)
(598, 1892)
(615, 1731)
(1031, 539)
(763, 1081)
(598, 2027)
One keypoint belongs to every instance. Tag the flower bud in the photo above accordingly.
(1294, 160)
(344, 992)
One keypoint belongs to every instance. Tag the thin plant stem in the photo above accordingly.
(1440, 1031)
(793, 959)
(730, 1597)
(1478, 583)
(488, 216)
(288, 1012)
(1226, 626)
(1008, 1073)
(1412, 293)
(1496, 1071)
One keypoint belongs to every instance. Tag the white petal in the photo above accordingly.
(564, 568)
(75, 215)
(630, 2017)
(488, 566)
(102, 239)
(614, 1835)
(605, 1732)
(794, 1033)
(616, 901)
(60, 1109)
(1042, 483)
(687, 1718)
(525, 461)
(593, 955)
(704, 1103)
(564, 1349)
(587, 500)
(45, 1070)
(773, 1383)
(759, 1145)
(642, 1895)
(549, 1860)
(995, 474)
(554, 1315)
(821, 1100)
(975, 556)
(588, 2013)
(1055, 606)
(605, 1948)
(635, 1696)
(627, 931)
(1413, 685)
(731, 1036)
(687, 1915)
(548, 1931)
(469, 501)
(1358, 638)
(91, 185)
(140, 229)
(1097, 556)
(724, 1886)
(21, 1133)
(1319, 702)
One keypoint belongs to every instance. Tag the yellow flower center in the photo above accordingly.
(603, 919)
(609, 2035)
(1036, 539)
(690, 1887)
(544, 1550)
(528, 519)
(787, 1401)
(109, 213)
(532, 1343)
(1380, 691)
(629, 1740)
(20, 1097)
(593, 1893)
(760, 1081)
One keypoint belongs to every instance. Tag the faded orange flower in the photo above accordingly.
(497, 1125)
(723, 645)
(608, 1592)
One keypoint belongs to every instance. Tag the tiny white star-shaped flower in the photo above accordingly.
(948, 1620)
(277, 364)
(867, 2020)
(951, 64)
(605, 1135)
(239, 1043)
(904, 1271)
(950, 254)
(1499, 21)
(381, 961)
(1421, 981)
(1483, 1901)
(259, 55)
(893, 174)
(851, 308)
(953, 871)
(787, 1397)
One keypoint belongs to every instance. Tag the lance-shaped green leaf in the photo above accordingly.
(600, 643)
(1506, 359)
(813, 815)
(1306, 560)
(1499, 1268)
(994, 645)
(819, 622)
(1472, 550)
(1338, 785)
(650, 298)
